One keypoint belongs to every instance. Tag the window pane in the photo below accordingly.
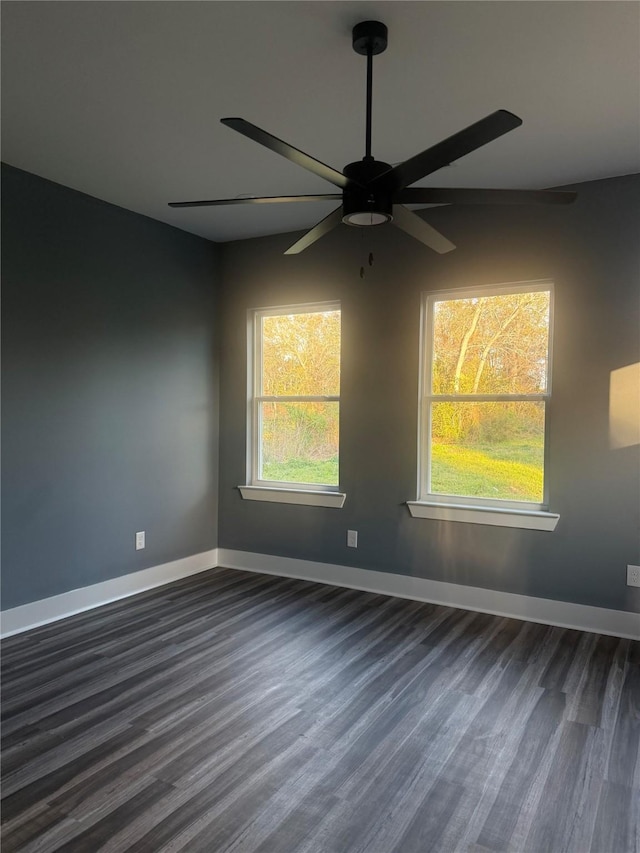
(488, 450)
(301, 354)
(300, 442)
(491, 344)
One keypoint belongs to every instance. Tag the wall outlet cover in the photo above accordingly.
(140, 543)
(633, 575)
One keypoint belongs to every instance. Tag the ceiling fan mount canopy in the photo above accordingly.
(369, 36)
(373, 192)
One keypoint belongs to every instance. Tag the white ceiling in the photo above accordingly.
(122, 100)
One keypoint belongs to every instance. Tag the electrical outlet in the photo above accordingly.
(633, 575)
(140, 540)
(352, 538)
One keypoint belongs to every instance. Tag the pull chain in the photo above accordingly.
(371, 259)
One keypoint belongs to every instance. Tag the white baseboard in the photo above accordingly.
(617, 623)
(36, 613)
(599, 620)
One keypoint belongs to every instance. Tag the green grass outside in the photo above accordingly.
(322, 472)
(508, 471)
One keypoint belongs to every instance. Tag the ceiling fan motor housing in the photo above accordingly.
(361, 204)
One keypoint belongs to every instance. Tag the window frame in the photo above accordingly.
(518, 509)
(280, 491)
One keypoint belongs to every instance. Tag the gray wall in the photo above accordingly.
(109, 390)
(110, 393)
(590, 250)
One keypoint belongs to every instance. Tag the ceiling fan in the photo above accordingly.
(374, 192)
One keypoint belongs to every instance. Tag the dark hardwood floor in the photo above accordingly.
(247, 713)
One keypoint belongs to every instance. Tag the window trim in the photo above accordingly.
(278, 491)
(471, 508)
(302, 497)
(493, 516)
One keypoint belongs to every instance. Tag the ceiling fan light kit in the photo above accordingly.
(375, 192)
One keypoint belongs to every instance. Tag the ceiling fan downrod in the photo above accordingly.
(360, 206)
(369, 39)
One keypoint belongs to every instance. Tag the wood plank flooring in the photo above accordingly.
(242, 713)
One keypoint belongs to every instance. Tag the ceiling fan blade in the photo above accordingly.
(323, 227)
(442, 195)
(254, 199)
(450, 149)
(410, 222)
(288, 151)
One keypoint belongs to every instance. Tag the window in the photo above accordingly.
(485, 389)
(294, 405)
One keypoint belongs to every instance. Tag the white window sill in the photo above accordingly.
(499, 517)
(303, 497)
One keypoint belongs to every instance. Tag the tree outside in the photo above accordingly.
(489, 346)
(301, 358)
